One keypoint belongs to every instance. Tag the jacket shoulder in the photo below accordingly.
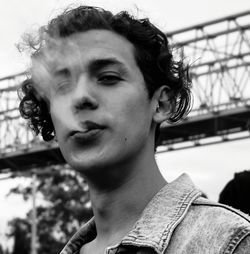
(230, 223)
(222, 210)
(210, 227)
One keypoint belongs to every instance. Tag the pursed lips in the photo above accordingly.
(87, 127)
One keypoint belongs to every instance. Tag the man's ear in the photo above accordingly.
(162, 105)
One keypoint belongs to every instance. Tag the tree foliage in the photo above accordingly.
(20, 231)
(3, 251)
(65, 206)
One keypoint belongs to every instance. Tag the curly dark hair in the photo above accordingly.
(152, 53)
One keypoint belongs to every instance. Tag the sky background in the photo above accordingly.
(210, 167)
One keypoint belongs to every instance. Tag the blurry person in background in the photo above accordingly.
(237, 192)
(101, 85)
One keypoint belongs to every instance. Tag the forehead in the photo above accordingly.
(80, 48)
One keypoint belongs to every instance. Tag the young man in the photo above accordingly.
(101, 84)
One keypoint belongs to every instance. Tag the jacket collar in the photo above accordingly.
(157, 223)
(162, 215)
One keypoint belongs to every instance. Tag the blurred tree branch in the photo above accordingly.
(64, 206)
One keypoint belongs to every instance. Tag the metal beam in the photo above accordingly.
(209, 23)
(220, 86)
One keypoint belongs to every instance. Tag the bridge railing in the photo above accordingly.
(219, 53)
(15, 135)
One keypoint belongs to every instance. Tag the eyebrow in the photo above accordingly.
(96, 65)
(62, 72)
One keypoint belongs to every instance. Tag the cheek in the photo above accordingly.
(60, 115)
(135, 120)
(57, 122)
(139, 110)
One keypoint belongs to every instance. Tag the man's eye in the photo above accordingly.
(62, 86)
(109, 79)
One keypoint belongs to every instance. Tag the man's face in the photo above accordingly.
(98, 101)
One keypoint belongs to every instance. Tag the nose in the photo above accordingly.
(84, 96)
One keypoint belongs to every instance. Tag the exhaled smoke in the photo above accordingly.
(49, 65)
(55, 69)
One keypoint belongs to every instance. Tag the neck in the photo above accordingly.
(117, 207)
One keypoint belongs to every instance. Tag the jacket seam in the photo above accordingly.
(180, 214)
(236, 240)
(231, 209)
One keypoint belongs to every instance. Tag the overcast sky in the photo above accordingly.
(17, 17)
(211, 166)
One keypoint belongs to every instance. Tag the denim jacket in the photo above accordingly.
(178, 220)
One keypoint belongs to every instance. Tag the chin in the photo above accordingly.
(87, 163)
(101, 167)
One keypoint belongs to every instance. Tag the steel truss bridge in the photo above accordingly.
(219, 53)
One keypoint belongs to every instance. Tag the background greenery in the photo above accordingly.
(64, 208)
